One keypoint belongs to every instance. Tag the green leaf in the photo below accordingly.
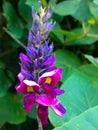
(85, 121)
(57, 36)
(91, 71)
(14, 24)
(67, 60)
(82, 12)
(94, 9)
(32, 4)
(5, 83)
(93, 60)
(12, 110)
(67, 7)
(80, 96)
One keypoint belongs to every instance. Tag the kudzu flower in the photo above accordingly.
(38, 76)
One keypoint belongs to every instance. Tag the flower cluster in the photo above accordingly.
(39, 76)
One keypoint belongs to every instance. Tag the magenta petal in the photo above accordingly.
(21, 88)
(47, 100)
(55, 75)
(33, 84)
(28, 102)
(58, 91)
(59, 109)
(43, 114)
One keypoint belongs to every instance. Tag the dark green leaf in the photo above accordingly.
(14, 24)
(5, 83)
(12, 110)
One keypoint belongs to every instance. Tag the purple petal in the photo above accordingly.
(28, 102)
(43, 114)
(20, 76)
(59, 109)
(50, 48)
(35, 16)
(47, 15)
(49, 61)
(25, 60)
(31, 52)
(21, 88)
(58, 91)
(46, 100)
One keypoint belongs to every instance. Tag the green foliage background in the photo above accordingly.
(75, 38)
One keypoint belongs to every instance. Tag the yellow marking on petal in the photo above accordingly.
(48, 80)
(30, 89)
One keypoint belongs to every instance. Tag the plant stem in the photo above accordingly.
(11, 35)
(40, 127)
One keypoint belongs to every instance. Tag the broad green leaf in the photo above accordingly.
(67, 60)
(32, 4)
(94, 9)
(79, 96)
(91, 71)
(5, 82)
(86, 121)
(67, 7)
(11, 109)
(82, 12)
(14, 23)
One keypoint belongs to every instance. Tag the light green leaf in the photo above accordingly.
(67, 7)
(93, 60)
(85, 121)
(80, 96)
(14, 24)
(67, 60)
(92, 72)
(94, 9)
(82, 12)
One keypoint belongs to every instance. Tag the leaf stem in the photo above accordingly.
(12, 36)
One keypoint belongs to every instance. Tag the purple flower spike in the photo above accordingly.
(38, 76)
